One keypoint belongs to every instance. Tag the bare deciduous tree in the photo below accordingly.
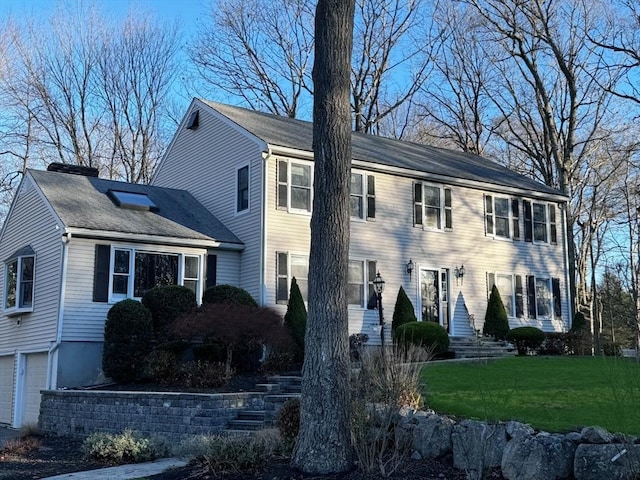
(324, 441)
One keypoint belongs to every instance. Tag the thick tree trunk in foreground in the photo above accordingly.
(324, 441)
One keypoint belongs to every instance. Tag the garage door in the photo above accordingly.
(35, 380)
(6, 388)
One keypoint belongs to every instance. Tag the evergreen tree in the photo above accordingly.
(496, 323)
(296, 317)
(403, 312)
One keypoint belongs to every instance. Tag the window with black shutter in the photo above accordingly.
(531, 296)
(519, 297)
(528, 221)
(101, 273)
(557, 300)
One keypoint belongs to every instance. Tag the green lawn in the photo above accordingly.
(555, 394)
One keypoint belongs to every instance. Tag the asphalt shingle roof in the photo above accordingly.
(82, 202)
(287, 132)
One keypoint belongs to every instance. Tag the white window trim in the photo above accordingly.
(246, 210)
(289, 255)
(547, 224)
(512, 313)
(366, 293)
(114, 298)
(363, 196)
(509, 200)
(548, 281)
(17, 309)
(290, 162)
(424, 225)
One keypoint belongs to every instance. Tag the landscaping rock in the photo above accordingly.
(432, 436)
(515, 429)
(595, 435)
(544, 456)
(610, 462)
(575, 437)
(477, 447)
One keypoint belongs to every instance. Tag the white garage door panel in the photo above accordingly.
(6, 389)
(34, 381)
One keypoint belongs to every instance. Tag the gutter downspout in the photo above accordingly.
(52, 377)
(263, 229)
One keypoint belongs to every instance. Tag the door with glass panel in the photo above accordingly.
(434, 296)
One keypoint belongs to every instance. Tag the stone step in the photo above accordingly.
(256, 415)
(251, 425)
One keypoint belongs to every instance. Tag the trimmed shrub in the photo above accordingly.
(289, 420)
(202, 374)
(496, 323)
(356, 345)
(228, 294)
(611, 349)
(555, 344)
(296, 317)
(161, 366)
(166, 303)
(526, 339)
(126, 447)
(403, 312)
(128, 337)
(429, 335)
(579, 323)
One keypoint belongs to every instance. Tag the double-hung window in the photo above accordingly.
(288, 267)
(432, 206)
(511, 292)
(242, 189)
(295, 186)
(540, 222)
(19, 280)
(360, 276)
(543, 297)
(362, 202)
(502, 217)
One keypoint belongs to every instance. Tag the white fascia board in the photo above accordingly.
(151, 239)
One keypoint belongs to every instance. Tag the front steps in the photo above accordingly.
(480, 347)
(277, 390)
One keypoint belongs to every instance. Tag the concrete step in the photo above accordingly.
(256, 415)
(251, 425)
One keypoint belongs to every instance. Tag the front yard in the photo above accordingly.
(556, 394)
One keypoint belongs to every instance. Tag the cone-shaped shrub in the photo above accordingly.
(128, 337)
(296, 317)
(403, 311)
(496, 323)
(228, 294)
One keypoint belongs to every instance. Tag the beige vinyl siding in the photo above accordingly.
(228, 267)
(30, 222)
(83, 318)
(204, 162)
(392, 240)
(7, 379)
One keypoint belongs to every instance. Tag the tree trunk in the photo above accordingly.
(324, 441)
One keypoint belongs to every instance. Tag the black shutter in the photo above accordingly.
(212, 269)
(557, 304)
(531, 296)
(488, 215)
(528, 221)
(519, 297)
(448, 211)
(552, 224)
(417, 204)
(371, 197)
(515, 215)
(101, 273)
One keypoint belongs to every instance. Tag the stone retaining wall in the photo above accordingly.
(172, 415)
(518, 451)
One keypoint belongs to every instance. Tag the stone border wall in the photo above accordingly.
(172, 415)
(518, 452)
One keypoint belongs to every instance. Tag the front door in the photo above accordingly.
(434, 296)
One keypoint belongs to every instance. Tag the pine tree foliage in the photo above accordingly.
(403, 312)
(496, 323)
(296, 317)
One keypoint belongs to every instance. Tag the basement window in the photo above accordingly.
(131, 200)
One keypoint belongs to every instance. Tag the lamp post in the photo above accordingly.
(378, 286)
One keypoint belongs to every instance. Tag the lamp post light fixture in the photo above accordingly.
(378, 286)
(459, 274)
(410, 267)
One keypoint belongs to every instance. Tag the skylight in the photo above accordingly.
(131, 200)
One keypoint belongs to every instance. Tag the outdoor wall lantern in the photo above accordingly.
(378, 286)
(459, 274)
(410, 267)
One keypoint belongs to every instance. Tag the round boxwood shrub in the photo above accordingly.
(128, 337)
(228, 294)
(422, 334)
(496, 323)
(167, 303)
(403, 311)
(526, 339)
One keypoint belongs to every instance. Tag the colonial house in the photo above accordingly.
(231, 202)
